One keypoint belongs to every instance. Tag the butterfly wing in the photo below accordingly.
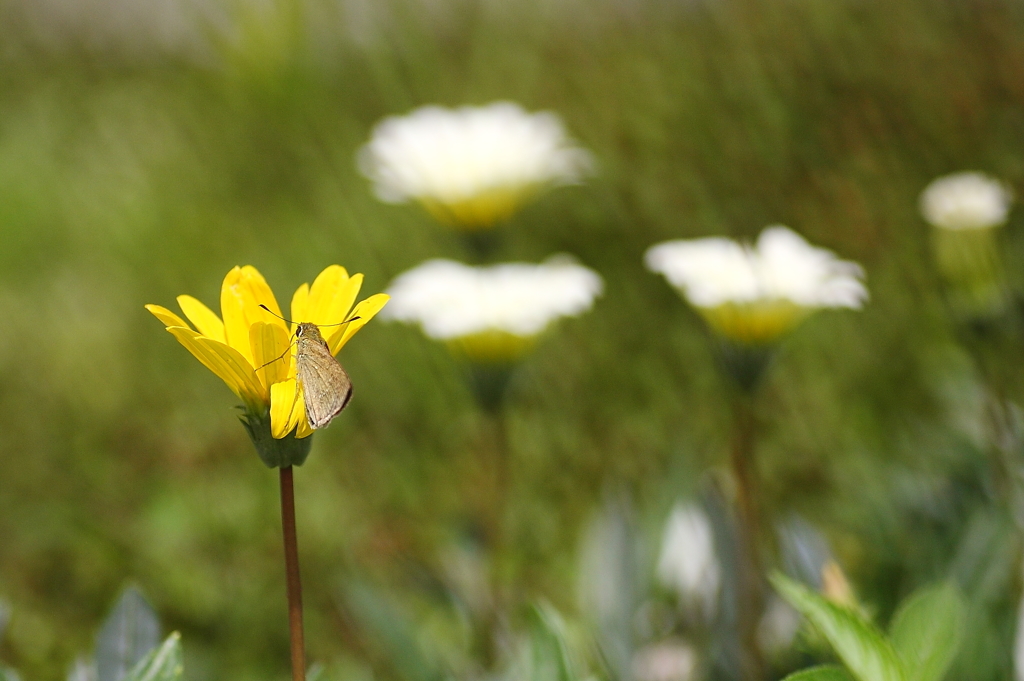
(326, 387)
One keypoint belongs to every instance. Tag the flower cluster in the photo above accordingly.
(491, 313)
(250, 347)
(473, 166)
(753, 294)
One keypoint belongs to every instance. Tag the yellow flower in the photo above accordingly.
(247, 346)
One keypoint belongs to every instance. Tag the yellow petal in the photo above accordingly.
(331, 296)
(343, 299)
(300, 306)
(167, 317)
(365, 311)
(323, 289)
(303, 429)
(270, 349)
(285, 407)
(241, 295)
(202, 317)
(225, 362)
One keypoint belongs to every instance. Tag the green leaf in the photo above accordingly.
(610, 581)
(551, 659)
(927, 631)
(385, 621)
(857, 642)
(828, 672)
(130, 631)
(161, 664)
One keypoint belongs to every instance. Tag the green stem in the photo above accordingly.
(495, 514)
(291, 563)
(750, 596)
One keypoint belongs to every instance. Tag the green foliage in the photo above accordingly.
(927, 630)
(129, 176)
(130, 632)
(163, 663)
(861, 647)
(549, 647)
(925, 633)
(822, 673)
(393, 631)
(128, 647)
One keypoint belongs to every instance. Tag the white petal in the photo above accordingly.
(454, 154)
(783, 266)
(967, 200)
(451, 300)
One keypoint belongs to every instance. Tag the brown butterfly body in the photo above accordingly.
(325, 385)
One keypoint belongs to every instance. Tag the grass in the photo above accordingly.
(129, 176)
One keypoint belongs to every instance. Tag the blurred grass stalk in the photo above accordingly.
(979, 301)
(745, 366)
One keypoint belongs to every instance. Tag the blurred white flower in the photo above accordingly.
(965, 208)
(493, 312)
(666, 661)
(688, 564)
(472, 166)
(969, 200)
(754, 294)
(778, 626)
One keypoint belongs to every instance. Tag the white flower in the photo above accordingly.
(666, 661)
(782, 265)
(778, 626)
(687, 563)
(753, 294)
(497, 303)
(470, 166)
(967, 200)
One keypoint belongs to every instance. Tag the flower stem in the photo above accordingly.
(750, 586)
(291, 563)
(493, 514)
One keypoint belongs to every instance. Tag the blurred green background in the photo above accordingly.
(146, 148)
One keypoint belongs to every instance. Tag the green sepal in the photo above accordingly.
(745, 363)
(288, 451)
(489, 381)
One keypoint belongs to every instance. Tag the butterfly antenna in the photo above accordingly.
(275, 314)
(350, 319)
